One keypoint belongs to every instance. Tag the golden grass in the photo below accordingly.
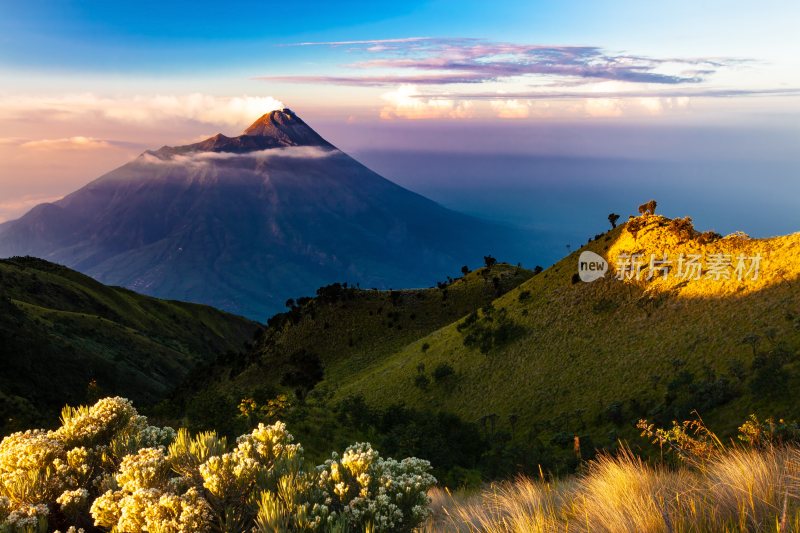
(739, 490)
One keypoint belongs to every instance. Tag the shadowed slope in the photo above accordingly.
(61, 330)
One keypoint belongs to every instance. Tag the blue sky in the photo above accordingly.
(88, 85)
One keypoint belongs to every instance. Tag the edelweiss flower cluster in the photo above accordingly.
(73, 502)
(27, 518)
(45, 472)
(365, 489)
(106, 467)
(101, 421)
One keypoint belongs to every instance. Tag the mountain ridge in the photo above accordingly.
(63, 334)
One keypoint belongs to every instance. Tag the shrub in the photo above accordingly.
(106, 467)
(363, 491)
(708, 237)
(635, 225)
(682, 228)
(442, 372)
(421, 381)
(494, 328)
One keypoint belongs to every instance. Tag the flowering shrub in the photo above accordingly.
(367, 491)
(105, 468)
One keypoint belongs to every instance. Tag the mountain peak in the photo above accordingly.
(273, 119)
(277, 129)
(284, 126)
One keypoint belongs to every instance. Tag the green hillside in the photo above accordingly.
(323, 341)
(349, 330)
(65, 338)
(557, 357)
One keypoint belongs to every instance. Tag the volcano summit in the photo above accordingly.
(243, 223)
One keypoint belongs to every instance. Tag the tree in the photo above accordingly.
(442, 372)
(613, 217)
(465, 270)
(489, 261)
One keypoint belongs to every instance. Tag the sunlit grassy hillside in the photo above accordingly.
(352, 329)
(323, 341)
(61, 331)
(557, 357)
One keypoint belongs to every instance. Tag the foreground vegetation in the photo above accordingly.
(105, 468)
(753, 485)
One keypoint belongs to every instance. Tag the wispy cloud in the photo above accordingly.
(204, 158)
(566, 95)
(66, 143)
(432, 61)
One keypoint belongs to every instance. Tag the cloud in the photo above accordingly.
(571, 95)
(404, 103)
(218, 110)
(68, 143)
(432, 61)
(204, 158)
(511, 108)
(11, 141)
(76, 143)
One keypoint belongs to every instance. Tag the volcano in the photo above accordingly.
(243, 223)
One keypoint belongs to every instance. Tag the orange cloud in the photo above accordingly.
(68, 143)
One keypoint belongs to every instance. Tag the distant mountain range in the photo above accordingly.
(242, 223)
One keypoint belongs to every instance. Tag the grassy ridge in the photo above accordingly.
(61, 330)
(352, 329)
(306, 352)
(589, 359)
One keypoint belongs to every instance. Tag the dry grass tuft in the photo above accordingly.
(738, 490)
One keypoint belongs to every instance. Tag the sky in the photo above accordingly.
(709, 91)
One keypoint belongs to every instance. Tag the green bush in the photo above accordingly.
(494, 328)
(442, 372)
